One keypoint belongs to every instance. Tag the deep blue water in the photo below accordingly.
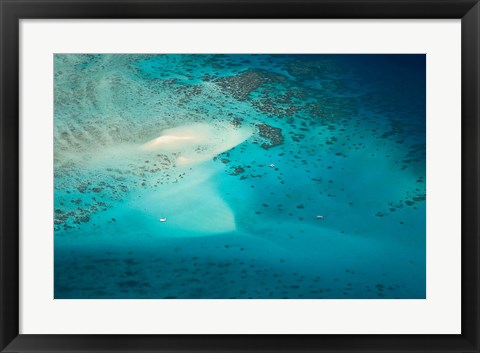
(291, 176)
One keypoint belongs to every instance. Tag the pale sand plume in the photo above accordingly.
(199, 142)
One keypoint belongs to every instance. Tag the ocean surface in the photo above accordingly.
(239, 176)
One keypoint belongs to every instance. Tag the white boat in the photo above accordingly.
(163, 219)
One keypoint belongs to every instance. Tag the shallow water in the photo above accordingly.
(240, 176)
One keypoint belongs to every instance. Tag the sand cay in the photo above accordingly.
(199, 142)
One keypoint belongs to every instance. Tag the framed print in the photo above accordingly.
(233, 176)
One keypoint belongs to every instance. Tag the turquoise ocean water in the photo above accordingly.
(240, 176)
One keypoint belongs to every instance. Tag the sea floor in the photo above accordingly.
(240, 176)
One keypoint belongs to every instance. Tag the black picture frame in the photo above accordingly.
(14, 10)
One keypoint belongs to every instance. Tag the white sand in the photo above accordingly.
(167, 141)
(199, 142)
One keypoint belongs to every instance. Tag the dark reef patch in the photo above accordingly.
(237, 170)
(272, 134)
